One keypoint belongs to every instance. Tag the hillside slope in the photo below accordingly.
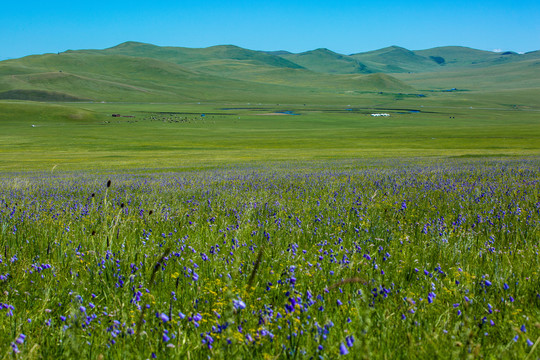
(99, 76)
(138, 72)
(327, 61)
(395, 59)
(183, 56)
(464, 57)
(505, 76)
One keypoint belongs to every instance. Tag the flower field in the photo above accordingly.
(386, 260)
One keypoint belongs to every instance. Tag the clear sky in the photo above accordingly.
(35, 27)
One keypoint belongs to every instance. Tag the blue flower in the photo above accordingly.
(20, 339)
(343, 349)
(239, 304)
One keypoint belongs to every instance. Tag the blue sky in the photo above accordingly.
(35, 27)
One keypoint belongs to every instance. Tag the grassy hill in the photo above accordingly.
(505, 76)
(139, 72)
(301, 78)
(181, 55)
(463, 57)
(327, 61)
(395, 59)
(105, 76)
(101, 77)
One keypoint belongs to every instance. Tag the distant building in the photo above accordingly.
(380, 114)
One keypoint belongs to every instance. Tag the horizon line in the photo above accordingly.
(495, 51)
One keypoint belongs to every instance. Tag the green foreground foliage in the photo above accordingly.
(375, 259)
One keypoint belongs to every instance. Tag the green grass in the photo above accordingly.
(86, 136)
(415, 234)
(439, 257)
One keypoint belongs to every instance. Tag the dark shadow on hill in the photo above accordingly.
(39, 95)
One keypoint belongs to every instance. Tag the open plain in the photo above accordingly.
(386, 206)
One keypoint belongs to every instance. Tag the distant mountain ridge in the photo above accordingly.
(392, 59)
(134, 71)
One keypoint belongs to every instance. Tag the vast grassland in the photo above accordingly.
(77, 136)
(426, 259)
(245, 204)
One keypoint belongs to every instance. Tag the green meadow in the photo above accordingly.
(224, 203)
(85, 136)
(443, 102)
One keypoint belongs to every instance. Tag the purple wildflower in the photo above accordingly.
(343, 349)
(239, 304)
(20, 339)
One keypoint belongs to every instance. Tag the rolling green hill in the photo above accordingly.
(458, 56)
(101, 77)
(139, 72)
(180, 55)
(505, 76)
(104, 76)
(327, 61)
(301, 78)
(395, 59)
